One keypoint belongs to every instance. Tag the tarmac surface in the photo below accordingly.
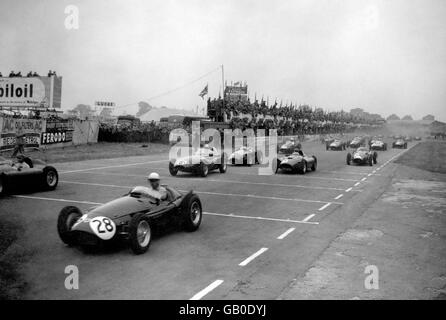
(262, 237)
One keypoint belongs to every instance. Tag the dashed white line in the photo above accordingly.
(308, 218)
(324, 206)
(115, 166)
(363, 179)
(356, 184)
(339, 196)
(231, 215)
(59, 200)
(283, 235)
(252, 257)
(206, 290)
(349, 189)
(369, 175)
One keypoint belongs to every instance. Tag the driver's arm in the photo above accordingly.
(163, 193)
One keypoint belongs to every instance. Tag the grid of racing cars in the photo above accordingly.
(132, 216)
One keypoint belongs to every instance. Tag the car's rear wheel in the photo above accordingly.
(140, 233)
(375, 157)
(192, 213)
(172, 169)
(349, 158)
(223, 165)
(304, 168)
(204, 169)
(370, 161)
(50, 178)
(68, 216)
(259, 158)
(314, 166)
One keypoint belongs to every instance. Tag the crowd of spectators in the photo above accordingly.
(142, 132)
(288, 119)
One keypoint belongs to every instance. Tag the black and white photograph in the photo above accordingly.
(217, 150)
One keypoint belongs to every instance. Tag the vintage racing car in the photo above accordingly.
(337, 144)
(205, 159)
(399, 144)
(295, 162)
(246, 156)
(378, 144)
(357, 142)
(130, 218)
(23, 173)
(288, 147)
(362, 155)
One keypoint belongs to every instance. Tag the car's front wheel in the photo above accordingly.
(192, 213)
(172, 169)
(204, 169)
(140, 233)
(68, 216)
(50, 178)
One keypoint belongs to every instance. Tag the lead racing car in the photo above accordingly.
(357, 142)
(296, 162)
(362, 155)
(130, 218)
(204, 160)
(24, 173)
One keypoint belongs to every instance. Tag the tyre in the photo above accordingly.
(50, 178)
(314, 166)
(259, 158)
(375, 157)
(2, 184)
(304, 168)
(172, 170)
(275, 165)
(204, 169)
(349, 158)
(370, 161)
(140, 233)
(67, 218)
(223, 165)
(191, 213)
(405, 146)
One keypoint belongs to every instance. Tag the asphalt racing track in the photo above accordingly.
(258, 232)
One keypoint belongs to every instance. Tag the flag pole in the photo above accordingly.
(223, 84)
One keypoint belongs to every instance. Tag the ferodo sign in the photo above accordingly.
(21, 92)
(57, 137)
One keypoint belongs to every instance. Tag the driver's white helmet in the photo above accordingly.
(153, 176)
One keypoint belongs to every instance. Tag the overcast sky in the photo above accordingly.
(383, 56)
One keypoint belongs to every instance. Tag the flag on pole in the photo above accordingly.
(204, 92)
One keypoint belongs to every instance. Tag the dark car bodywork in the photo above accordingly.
(288, 147)
(204, 160)
(35, 175)
(90, 229)
(357, 142)
(296, 162)
(362, 155)
(337, 144)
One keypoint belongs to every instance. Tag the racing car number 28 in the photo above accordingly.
(103, 227)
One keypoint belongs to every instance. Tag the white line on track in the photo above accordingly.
(324, 206)
(206, 290)
(369, 175)
(363, 179)
(231, 215)
(308, 218)
(115, 166)
(209, 193)
(349, 189)
(352, 173)
(339, 196)
(54, 199)
(252, 257)
(283, 235)
(357, 184)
